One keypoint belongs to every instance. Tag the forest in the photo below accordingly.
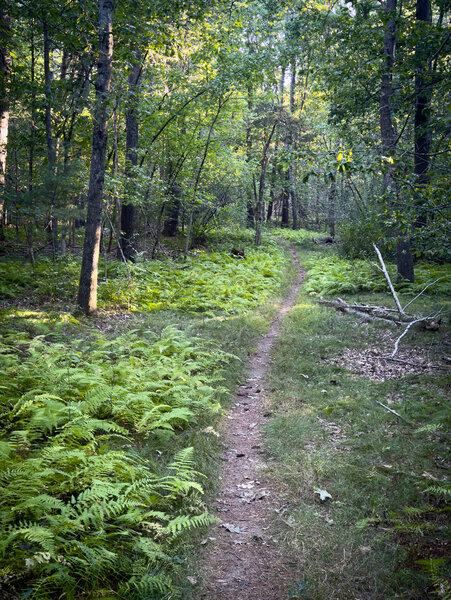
(225, 299)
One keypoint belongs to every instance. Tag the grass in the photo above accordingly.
(384, 532)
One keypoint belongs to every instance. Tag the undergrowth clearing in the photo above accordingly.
(364, 494)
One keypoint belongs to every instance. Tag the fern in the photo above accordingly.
(77, 503)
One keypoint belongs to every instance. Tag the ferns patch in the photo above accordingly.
(77, 502)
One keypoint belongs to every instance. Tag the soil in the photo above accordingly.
(242, 560)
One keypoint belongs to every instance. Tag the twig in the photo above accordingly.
(429, 285)
(390, 285)
(395, 350)
(411, 364)
(119, 245)
(393, 412)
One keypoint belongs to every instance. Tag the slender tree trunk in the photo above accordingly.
(51, 155)
(221, 103)
(260, 208)
(29, 220)
(171, 222)
(294, 211)
(128, 209)
(87, 290)
(332, 197)
(404, 257)
(5, 67)
(116, 203)
(250, 210)
(423, 96)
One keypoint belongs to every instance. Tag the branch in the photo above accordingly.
(393, 412)
(393, 354)
(429, 285)
(390, 285)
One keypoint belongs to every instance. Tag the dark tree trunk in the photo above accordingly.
(49, 138)
(172, 220)
(128, 210)
(332, 195)
(291, 144)
(285, 221)
(5, 67)
(87, 290)
(423, 95)
(250, 216)
(29, 222)
(404, 254)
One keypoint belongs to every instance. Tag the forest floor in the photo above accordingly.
(243, 560)
(320, 492)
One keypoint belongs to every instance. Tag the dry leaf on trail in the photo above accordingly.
(323, 494)
(233, 528)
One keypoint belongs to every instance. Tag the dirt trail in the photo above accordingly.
(243, 562)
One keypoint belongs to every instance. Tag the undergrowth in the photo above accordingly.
(332, 275)
(82, 511)
(209, 281)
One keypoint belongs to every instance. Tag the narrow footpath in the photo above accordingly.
(242, 561)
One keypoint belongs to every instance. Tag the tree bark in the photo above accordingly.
(128, 209)
(260, 207)
(172, 220)
(332, 197)
(423, 94)
(5, 67)
(51, 159)
(294, 212)
(403, 251)
(87, 290)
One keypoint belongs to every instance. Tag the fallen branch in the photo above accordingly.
(412, 364)
(363, 313)
(387, 277)
(393, 412)
(422, 291)
(395, 350)
(382, 313)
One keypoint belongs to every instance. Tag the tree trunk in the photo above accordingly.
(221, 103)
(5, 67)
(423, 94)
(128, 210)
(171, 222)
(260, 207)
(291, 144)
(332, 196)
(87, 290)
(285, 221)
(49, 138)
(403, 253)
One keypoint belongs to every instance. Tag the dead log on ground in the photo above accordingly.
(324, 240)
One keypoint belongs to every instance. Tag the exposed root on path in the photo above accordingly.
(243, 561)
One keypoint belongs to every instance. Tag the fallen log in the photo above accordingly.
(384, 314)
(324, 240)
